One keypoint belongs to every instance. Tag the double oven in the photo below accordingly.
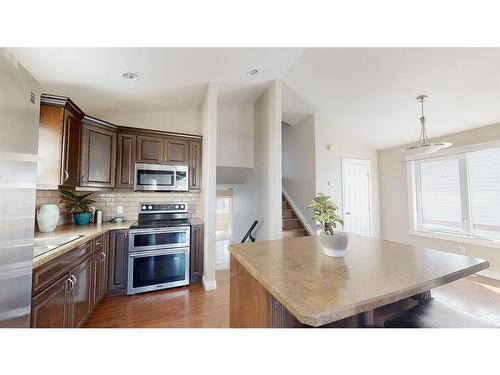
(159, 247)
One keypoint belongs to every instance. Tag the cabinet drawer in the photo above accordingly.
(44, 275)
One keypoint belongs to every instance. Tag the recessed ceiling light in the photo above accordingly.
(252, 72)
(130, 76)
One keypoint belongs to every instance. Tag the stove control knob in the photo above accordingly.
(176, 206)
(143, 207)
(182, 206)
(150, 207)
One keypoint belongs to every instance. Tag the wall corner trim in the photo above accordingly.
(489, 274)
(209, 285)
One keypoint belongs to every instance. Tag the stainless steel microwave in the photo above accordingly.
(158, 177)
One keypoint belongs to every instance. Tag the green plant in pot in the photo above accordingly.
(334, 243)
(78, 205)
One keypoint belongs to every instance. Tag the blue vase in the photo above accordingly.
(82, 218)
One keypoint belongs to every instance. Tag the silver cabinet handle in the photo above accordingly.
(74, 280)
(72, 285)
(82, 179)
(103, 256)
(66, 175)
(347, 213)
(98, 244)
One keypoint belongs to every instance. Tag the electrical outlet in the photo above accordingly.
(461, 250)
(119, 209)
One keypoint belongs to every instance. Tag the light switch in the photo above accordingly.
(461, 250)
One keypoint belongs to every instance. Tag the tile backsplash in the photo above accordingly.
(129, 200)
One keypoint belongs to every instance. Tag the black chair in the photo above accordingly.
(434, 314)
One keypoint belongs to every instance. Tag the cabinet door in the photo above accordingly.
(49, 308)
(118, 262)
(196, 254)
(50, 147)
(176, 151)
(149, 149)
(98, 157)
(70, 175)
(104, 265)
(125, 161)
(194, 165)
(81, 298)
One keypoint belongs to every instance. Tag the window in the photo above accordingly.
(457, 194)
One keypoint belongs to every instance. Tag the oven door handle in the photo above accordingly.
(142, 254)
(159, 230)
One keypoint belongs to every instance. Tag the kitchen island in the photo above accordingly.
(292, 283)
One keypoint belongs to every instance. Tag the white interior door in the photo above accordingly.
(356, 196)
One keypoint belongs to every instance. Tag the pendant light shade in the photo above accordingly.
(424, 146)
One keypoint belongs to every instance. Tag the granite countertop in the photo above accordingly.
(87, 232)
(318, 289)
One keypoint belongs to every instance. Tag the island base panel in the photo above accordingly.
(252, 306)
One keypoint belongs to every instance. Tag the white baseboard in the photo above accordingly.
(209, 285)
(301, 217)
(489, 274)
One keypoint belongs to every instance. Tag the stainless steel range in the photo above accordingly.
(159, 244)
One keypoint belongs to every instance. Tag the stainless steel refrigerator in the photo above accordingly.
(19, 116)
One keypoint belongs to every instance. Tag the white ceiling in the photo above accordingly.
(368, 92)
(170, 78)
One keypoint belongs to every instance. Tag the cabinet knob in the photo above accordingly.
(66, 175)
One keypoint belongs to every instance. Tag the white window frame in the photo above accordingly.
(414, 195)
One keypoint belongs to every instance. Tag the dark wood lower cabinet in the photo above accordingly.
(196, 254)
(81, 296)
(118, 262)
(101, 263)
(67, 302)
(49, 308)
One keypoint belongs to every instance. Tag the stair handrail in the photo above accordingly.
(249, 233)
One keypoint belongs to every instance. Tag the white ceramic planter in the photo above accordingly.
(47, 217)
(334, 245)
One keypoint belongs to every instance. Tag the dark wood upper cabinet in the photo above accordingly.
(98, 156)
(71, 150)
(125, 161)
(149, 149)
(194, 165)
(59, 143)
(118, 262)
(196, 254)
(176, 151)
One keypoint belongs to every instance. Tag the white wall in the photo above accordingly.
(394, 197)
(259, 197)
(299, 163)
(180, 121)
(209, 131)
(235, 135)
(329, 166)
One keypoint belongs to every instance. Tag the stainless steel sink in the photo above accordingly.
(44, 244)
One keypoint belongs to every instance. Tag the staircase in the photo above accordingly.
(291, 224)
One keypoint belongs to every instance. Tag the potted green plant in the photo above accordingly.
(334, 243)
(78, 205)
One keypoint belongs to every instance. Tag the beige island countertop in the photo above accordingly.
(296, 275)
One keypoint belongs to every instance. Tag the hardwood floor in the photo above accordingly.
(194, 307)
(476, 295)
(185, 307)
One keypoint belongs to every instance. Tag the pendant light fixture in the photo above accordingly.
(424, 146)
